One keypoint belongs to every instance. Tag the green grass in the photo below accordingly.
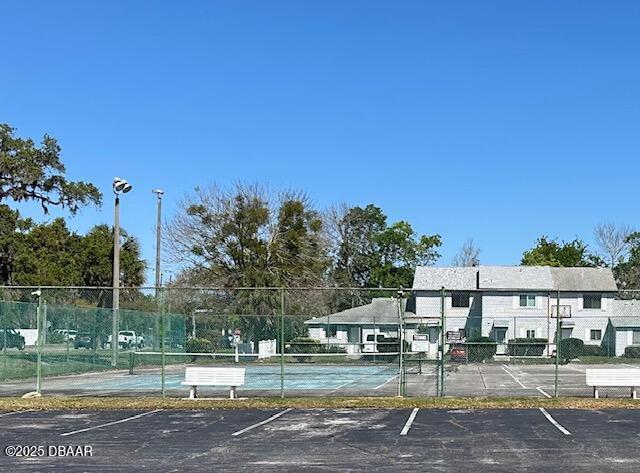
(147, 403)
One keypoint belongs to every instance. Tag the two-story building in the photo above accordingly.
(508, 302)
(500, 302)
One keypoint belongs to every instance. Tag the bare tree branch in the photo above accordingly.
(468, 255)
(613, 242)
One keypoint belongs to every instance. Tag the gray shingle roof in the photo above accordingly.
(543, 278)
(456, 278)
(381, 311)
(619, 322)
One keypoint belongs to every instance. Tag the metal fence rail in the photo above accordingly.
(314, 341)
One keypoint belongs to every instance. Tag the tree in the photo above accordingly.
(244, 237)
(32, 173)
(468, 255)
(613, 241)
(95, 258)
(551, 253)
(369, 253)
(49, 254)
(627, 271)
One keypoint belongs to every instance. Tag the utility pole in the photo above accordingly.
(159, 194)
(120, 186)
(116, 283)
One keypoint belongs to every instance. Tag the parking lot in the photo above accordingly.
(320, 440)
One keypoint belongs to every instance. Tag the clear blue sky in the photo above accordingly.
(497, 120)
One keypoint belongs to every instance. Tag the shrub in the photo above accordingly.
(480, 348)
(632, 351)
(303, 345)
(593, 350)
(527, 346)
(57, 337)
(198, 345)
(570, 348)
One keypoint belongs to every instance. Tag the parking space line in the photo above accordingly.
(554, 422)
(386, 382)
(15, 412)
(126, 419)
(504, 367)
(543, 392)
(266, 421)
(410, 420)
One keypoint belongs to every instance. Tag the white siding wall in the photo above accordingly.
(503, 308)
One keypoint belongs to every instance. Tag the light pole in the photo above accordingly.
(158, 193)
(120, 186)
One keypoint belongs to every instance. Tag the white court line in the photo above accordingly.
(410, 420)
(544, 393)
(386, 382)
(504, 367)
(554, 422)
(126, 419)
(251, 427)
(15, 412)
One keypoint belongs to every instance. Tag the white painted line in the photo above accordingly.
(126, 419)
(251, 427)
(554, 422)
(504, 367)
(386, 382)
(544, 393)
(410, 420)
(15, 412)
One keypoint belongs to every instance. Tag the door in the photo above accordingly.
(500, 336)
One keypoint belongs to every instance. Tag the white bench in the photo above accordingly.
(613, 378)
(195, 376)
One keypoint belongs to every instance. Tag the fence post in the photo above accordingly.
(441, 347)
(401, 377)
(40, 338)
(282, 309)
(558, 338)
(162, 341)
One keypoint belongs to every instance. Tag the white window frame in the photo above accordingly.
(459, 293)
(633, 333)
(592, 308)
(591, 334)
(528, 298)
(532, 331)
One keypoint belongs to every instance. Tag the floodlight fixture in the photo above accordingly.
(121, 186)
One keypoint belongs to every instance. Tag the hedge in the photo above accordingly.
(527, 346)
(570, 348)
(632, 351)
(480, 348)
(198, 345)
(303, 345)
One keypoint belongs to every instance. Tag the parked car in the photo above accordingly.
(127, 339)
(12, 337)
(68, 334)
(458, 354)
(83, 340)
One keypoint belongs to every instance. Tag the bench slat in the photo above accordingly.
(203, 376)
(613, 377)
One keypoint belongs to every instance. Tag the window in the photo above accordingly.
(636, 337)
(332, 331)
(527, 300)
(531, 334)
(595, 335)
(592, 301)
(460, 299)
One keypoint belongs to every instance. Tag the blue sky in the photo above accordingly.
(497, 120)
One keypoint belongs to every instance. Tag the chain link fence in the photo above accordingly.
(314, 341)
